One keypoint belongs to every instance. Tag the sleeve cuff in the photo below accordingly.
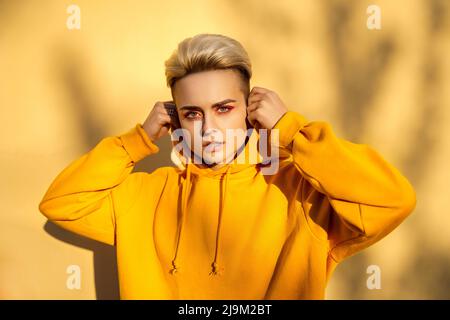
(289, 125)
(137, 143)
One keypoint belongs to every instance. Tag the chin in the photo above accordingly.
(213, 158)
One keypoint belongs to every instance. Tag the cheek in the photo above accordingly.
(196, 138)
(187, 133)
(239, 118)
(191, 126)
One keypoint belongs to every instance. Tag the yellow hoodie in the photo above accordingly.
(184, 232)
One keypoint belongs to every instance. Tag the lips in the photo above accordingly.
(212, 146)
(206, 143)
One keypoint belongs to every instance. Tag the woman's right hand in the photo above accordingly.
(161, 119)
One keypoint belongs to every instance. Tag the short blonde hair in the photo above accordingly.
(207, 51)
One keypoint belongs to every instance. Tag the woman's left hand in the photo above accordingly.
(264, 108)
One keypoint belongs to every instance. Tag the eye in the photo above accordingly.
(191, 115)
(224, 109)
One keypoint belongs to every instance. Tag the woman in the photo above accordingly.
(219, 228)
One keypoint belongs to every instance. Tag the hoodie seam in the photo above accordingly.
(324, 242)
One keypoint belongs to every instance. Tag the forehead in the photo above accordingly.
(207, 87)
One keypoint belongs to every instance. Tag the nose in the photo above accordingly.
(209, 125)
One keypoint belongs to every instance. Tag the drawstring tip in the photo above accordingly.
(175, 269)
(216, 271)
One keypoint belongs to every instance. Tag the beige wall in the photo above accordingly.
(62, 90)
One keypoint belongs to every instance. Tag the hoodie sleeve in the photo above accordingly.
(350, 195)
(84, 197)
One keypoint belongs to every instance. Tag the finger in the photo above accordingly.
(255, 97)
(253, 106)
(164, 119)
(259, 90)
(252, 118)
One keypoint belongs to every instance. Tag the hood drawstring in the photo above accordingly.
(185, 163)
(184, 194)
(215, 265)
(186, 186)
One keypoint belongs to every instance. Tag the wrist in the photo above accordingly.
(288, 126)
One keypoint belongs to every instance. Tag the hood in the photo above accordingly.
(247, 162)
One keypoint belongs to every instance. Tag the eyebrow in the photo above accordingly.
(217, 104)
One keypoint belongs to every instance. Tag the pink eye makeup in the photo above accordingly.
(193, 115)
(226, 108)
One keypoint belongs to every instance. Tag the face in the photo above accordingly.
(212, 108)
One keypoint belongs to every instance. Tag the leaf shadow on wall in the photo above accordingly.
(68, 66)
(105, 266)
